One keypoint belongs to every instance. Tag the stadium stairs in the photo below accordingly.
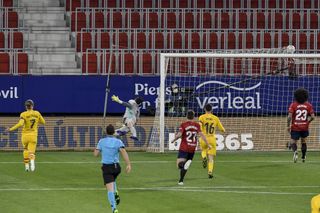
(49, 38)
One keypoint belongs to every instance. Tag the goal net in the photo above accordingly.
(250, 90)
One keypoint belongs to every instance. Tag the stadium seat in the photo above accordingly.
(4, 63)
(147, 3)
(236, 4)
(74, 4)
(7, 3)
(218, 66)
(184, 4)
(192, 40)
(211, 39)
(188, 20)
(147, 63)
(17, 40)
(263, 40)
(2, 40)
(246, 40)
(206, 21)
(237, 66)
(105, 60)
(105, 40)
(218, 4)
(13, 19)
(315, 41)
(272, 4)
(300, 40)
(140, 39)
(200, 4)
(153, 21)
(123, 40)
(128, 4)
(261, 20)
(255, 4)
(93, 3)
(278, 21)
(313, 21)
(256, 67)
(184, 66)
(167, 4)
(85, 39)
(175, 40)
(201, 66)
(289, 4)
(81, 21)
(284, 37)
(117, 20)
(92, 63)
(135, 20)
(112, 3)
(307, 4)
(171, 20)
(22, 63)
(128, 60)
(295, 21)
(242, 20)
(157, 41)
(228, 40)
(99, 20)
(225, 20)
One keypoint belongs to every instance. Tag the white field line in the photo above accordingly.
(175, 189)
(146, 162)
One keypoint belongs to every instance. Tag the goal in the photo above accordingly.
(250, 90)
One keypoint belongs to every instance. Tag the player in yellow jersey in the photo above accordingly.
(209, 123)
(315, 204)
(29, 120)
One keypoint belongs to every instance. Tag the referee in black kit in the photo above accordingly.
(109, 147)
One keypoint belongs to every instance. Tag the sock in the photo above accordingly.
(183, 173)
(133, 131)
(26, 159)
(203, 154)
(304, 149)
(294, 147)
(210, 166)
(112, 200)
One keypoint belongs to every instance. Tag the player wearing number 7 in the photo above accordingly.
(209, 123)
(29, 120)
(300, 115)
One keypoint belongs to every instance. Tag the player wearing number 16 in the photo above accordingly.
(300, 115)
(29, 120)
(209, 123)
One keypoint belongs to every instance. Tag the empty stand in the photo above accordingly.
(4, 63)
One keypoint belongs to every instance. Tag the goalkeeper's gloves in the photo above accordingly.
(116, 99)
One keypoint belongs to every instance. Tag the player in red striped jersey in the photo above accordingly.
(188, 132)
(301, 114)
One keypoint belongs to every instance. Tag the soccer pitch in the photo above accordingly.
(245, 182)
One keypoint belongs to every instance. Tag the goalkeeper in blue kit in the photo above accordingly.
(130, 116)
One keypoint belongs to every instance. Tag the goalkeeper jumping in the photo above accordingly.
(130, 117)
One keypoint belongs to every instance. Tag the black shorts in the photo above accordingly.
(110, 172)
(296, 135)
(185, 155)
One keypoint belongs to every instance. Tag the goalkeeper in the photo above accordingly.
(130, 117)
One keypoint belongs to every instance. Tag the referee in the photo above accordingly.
(109, 147)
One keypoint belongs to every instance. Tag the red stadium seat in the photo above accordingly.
(167, 4)
(255, 4)
(93, 3)
(92, 63)
(256, 66)
(284, 40)
(263, 40)
(17, 40)
(315, 41)
(201, 4)
(85, 39)
(228, 41)
(22, 63)
(295, 21)
(81, 21)
(140, 39)
(74, 4)
(242, 21)
(117, 20)
(157, 40)
(237, 66)
(147, 3)
(206, 21)
(278, 21)
(307, 4)
(303, 41)
(272, 4)
(236, 4)
(225, 21)
(218, 4)
(171, 21)
(128, 63)
(129, 4)
(4, 63)
(212, 38)
(135, 20)
(177, 40)
(183, 4)
(7, 3)
(290, 4)
(147, 63)
(153, 20)
(99, 20)
(112, 3)
(194, 39)
(184, 66)
(2, 40)
(246, 40)
(105, 40)
(201, 66)
(313, 21)
(123, 40)
(13, 20)
(218, 66)
(261, 20)
(189, 20)
(105, 60)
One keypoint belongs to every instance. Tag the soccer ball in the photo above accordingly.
(291, 48)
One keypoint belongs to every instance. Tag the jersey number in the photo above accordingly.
(301, 115)
(209, 128)
(33, 121)
(191, 136)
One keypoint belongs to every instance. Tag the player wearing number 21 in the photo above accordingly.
(300, 115)
(29, 120)
(209, 123)
(188, 132)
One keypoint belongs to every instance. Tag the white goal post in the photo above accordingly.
(281, 62)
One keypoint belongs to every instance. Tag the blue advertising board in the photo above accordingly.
(85, 94)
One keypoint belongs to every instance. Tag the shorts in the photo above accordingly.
(110, 172)
(296, 135)
(130, 122)
(185, 155)
(29, 142)
(212, 142)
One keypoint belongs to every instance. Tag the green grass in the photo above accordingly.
(245, 182)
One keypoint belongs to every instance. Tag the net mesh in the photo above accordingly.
(250, 95)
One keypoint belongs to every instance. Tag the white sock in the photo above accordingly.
(32, 165)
